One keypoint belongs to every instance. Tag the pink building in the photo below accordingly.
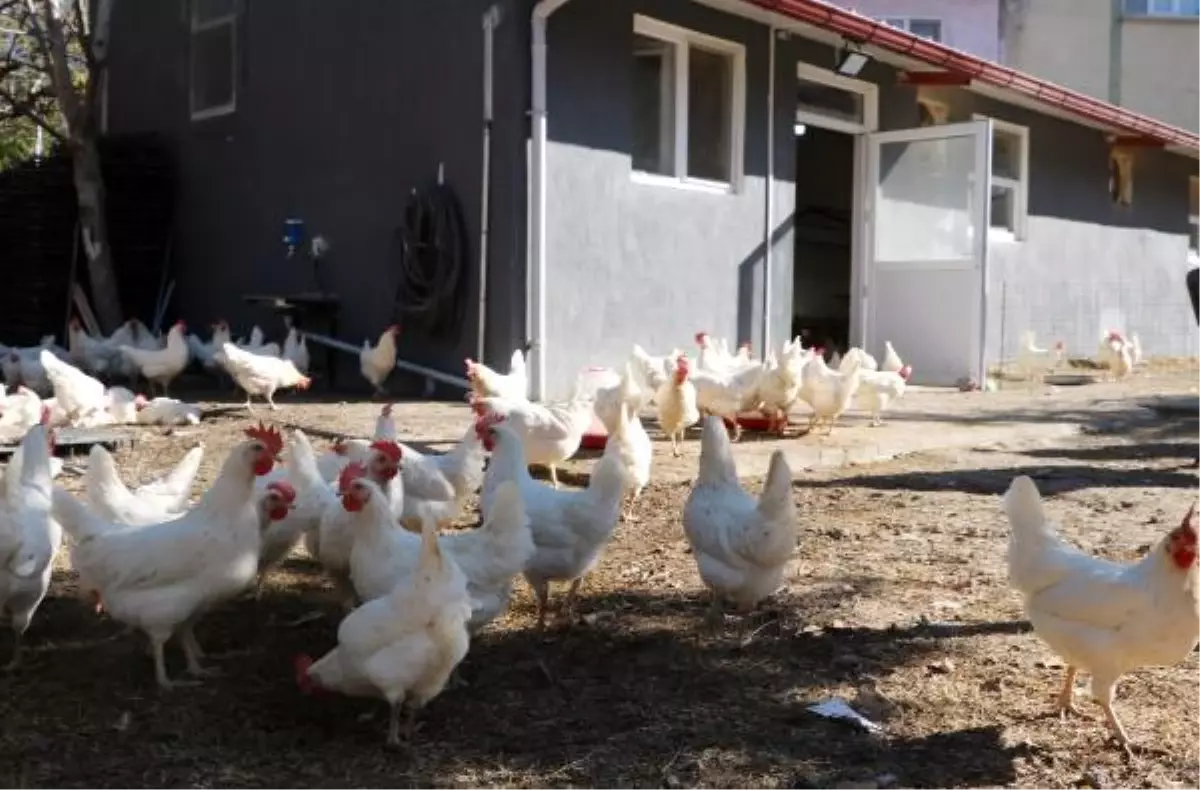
(969, 25)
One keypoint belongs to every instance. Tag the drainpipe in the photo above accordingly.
(491, 19)
(1115, 52)
(769, 234)
(535, 308)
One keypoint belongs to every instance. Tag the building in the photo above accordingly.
(970, 25)
(657, 167)
(1140, 54)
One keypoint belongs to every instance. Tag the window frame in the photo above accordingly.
(905, 23)
(1019, 187)
(682, 39)
(867, 92)
(1174, 14)
(196, 25)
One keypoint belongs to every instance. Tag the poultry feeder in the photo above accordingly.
(595, 437)
(753, 421)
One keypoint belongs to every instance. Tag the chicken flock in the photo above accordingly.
(372, 511)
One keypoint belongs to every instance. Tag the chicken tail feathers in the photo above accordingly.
(776, 496)
(77, 520)
(1023, 505)
(716, 456)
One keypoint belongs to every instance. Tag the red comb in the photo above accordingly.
(271, 437)
(470, 363)
(700, 337)
(45, 415)
(905, 372)
(284, 489)
(349, 474)
(389, 449)
(486, 421)
(478, 406)
(340, 447)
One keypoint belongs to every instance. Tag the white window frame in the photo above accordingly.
(196, 26)
(681, 39)
(905, 23)
(1193, 220)
(1018, 186)
(1150, 13)
(868, 93)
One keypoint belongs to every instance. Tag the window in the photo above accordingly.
(688, 106)
(1010, 178)
(1163, 8)
(213, 66)
(1120, 177)
(1193, 216)
(925, 28)
(834, 101)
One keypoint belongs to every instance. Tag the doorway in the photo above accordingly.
(824, 222)
(834, 112)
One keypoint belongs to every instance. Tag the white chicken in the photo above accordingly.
(651, 373)
(570, 528)
(741, 544)
(1102, 617)
(166, 411)
(161, 578)
(1034, 362)
(94, 355)
(487, 383)
(629, 443)
(22, 409)
(880, 389)
(206, 353)
(551, 433)
(257, 344)
(856, 357)
(780, 386)
(435, 486)
(29, 539)
(376, 362)
(828, 392)
(161, 366)
(402, 647)
(163, 498)
(490, 556)
(79, 395)
(295, 348)
(891, 360)
(728, 394)
(261, 375)
(677, 409)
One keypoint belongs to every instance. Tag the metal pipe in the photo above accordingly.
(491, 19)
(536, 258)
(769, 235)
(411, 367)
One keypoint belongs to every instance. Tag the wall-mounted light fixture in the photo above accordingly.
(851, 59)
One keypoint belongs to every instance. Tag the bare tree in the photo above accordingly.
(51, 72)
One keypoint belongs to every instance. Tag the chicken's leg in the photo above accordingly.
(193, 653)
(716, 613)
(675, 445)
(271, 401)
(1066, 697)
(158, 644)
(554, 475)
(1103, 689)
(569, 604)
(542, 591)
(393, 736)
(15, 661)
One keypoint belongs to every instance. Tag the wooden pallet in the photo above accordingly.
(76, 441)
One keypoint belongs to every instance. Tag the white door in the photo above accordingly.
(925, 284)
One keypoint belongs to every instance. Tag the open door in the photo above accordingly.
(927, 215)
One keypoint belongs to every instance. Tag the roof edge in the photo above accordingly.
(866, 30)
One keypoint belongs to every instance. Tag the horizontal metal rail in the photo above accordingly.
(411, 367)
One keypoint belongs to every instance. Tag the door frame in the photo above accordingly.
(981, 128)
(868, 93)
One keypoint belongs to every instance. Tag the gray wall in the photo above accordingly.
(630, 262)
(1087, 265)
(343, 108)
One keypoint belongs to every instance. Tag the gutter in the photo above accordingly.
(491, 18)
(535, 262)
(869, 31)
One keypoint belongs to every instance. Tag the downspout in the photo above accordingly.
(1115, 52)
(535, 273)
(769, 231)
(491, 19)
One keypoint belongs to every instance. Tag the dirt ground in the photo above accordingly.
(896, 602)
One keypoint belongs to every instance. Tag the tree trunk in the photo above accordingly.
(93, 225)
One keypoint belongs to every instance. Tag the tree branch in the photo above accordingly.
(28, 109)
